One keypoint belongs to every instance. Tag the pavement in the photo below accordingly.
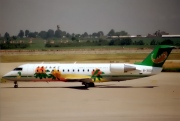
(155, 98)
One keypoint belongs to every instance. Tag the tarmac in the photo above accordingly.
(155, 98)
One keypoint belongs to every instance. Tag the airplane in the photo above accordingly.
(88, 73)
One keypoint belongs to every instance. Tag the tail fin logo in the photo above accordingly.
(159, 59)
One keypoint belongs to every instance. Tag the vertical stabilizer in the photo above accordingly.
(158, 56)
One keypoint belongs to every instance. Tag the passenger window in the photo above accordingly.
(83, 70)
(63, 70)
(18, 69)
(68, 70)
(78, 70)
(73, 70)
(88, 70)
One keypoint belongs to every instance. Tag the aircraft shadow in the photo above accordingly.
(75, 87)
(97, 86)
(109, 86)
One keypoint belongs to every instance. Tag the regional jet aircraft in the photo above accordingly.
(88, 73)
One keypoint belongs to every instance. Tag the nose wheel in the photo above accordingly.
(15, 84)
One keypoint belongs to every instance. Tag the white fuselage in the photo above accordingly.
(77, 72)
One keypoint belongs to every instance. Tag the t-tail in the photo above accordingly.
(158, 56)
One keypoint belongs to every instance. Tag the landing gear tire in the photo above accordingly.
(91, 84)
(15, 84)
(86, 85)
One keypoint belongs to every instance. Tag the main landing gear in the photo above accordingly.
(15, 84)
(87, 85)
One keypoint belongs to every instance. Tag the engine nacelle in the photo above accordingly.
(121, 68)
(117, 68)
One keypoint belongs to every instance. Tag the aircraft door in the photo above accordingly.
(30, 70)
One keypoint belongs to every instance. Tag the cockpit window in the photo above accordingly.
(18, 69)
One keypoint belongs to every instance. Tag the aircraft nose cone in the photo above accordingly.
(6, 75)
(3, 79)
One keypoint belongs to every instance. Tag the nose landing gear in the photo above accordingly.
(15, 84)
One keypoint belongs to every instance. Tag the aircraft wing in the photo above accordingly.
(87, 80)
(77, 78)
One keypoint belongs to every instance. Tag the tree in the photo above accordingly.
(167, 42)
(36, 33)
(58, 27)
(32, 34)
(7, 36)
(21, 34)
(153, 42)
(85, 34)
(158, 33)
(94, 34)
(68, 35)
(100, 34)
(102, 42)
(27, 33)
(116, 42)
(14, 37)
(12, 46)
(50, 33)
(126, 41)
(123, 33)
(73, 34)
(63, 33)
(111, 42)
(140, 42)
(43, 34)
(58, 33)
(48, 44)
(117, 34)
(111, 32)
(77, 35)
(73, 38)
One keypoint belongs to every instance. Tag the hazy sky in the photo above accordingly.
(79, 16)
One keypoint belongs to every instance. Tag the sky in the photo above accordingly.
(79, 16)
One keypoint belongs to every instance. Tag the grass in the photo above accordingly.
(67, 57)
(125, 57)
(171, 70)
(171, 66)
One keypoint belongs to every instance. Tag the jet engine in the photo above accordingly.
(121, 68)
